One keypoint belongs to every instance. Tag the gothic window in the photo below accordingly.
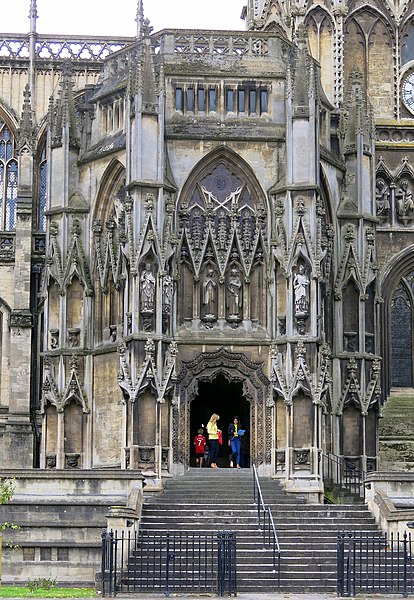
(407, 46)
(8, 179)
(263, 101)
(41, 220)
(245, 100)
(350, 303)
(252, 101)
(201, 99)
(111, 274)
(249, 99)
(179, 99)
(241, 100)
(190, 99)
(230, 100)
(368, 48)
(401, 335)
(320, 32)
(212, 97)
(222, 251)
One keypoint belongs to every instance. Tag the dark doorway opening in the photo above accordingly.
(226, 399)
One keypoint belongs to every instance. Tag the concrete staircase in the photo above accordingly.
(212, 500)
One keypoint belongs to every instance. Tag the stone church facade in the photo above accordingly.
(207, 221)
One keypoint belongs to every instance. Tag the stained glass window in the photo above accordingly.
(8, 179)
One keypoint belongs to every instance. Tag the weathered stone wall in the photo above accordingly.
(107, 410)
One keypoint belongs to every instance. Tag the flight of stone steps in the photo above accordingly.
(206, 500)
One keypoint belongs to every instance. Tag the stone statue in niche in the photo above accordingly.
(167, 296)
(73, 337)
(209, 297)
(147, 291)
(234, 296)
(405, 202)
(382, 199)
(301, 288)
(167, 293)
(54, 338)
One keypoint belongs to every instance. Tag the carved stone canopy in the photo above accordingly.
(233, 366)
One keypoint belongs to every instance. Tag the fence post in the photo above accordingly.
(340, 564)
(233, 589)
(111, 563)
(103, 563)
(221, 566)
(226, 563)
(405, 542)
(350, 566)
(167, 566)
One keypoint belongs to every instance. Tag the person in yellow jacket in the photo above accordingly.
(212, 432)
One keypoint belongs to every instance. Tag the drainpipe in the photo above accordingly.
(34, 375)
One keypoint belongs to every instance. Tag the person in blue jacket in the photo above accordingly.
(234, 430)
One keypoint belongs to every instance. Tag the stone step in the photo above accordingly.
(180, 513)
(307, 533)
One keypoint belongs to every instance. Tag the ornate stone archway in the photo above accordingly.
(235, 367)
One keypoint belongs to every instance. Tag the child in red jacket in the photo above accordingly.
(199, 444)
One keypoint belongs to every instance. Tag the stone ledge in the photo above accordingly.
(390, 476)
(98, 473)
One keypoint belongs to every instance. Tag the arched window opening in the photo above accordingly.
(8, 179)
(223, 225)
(41, 218)
(110, 231)
(401, 337)
(407, 45)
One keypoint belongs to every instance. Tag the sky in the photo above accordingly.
(117, 18)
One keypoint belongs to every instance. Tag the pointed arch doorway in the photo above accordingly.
(242, 379)
(224, 398)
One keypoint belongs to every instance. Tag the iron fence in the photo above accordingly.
(344, 473)
(374, 563)
(168, 562)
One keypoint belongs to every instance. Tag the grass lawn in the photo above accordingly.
(16, 591)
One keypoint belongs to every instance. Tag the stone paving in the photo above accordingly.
(244, 596)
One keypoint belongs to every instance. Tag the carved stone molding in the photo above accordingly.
(302, 457)
(51, 461)
(21, 319)
(72, 460)
(235, 367)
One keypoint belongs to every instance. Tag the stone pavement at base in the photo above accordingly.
(242, 596)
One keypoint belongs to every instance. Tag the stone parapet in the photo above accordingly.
(390, 498)
(61, 515)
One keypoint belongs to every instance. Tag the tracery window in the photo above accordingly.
(223, 230)
(41, 220)
(401, 334)
(407, 45)
(8, 179)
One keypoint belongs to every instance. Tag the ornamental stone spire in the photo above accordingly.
(33, 15)
(140, 19)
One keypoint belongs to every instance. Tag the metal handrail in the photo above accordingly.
(337, 470)
(265, 517)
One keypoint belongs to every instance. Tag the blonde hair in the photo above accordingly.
(214, 418)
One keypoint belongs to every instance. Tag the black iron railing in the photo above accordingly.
(374, 563)
(168, 562)
(343, 473)
(266, 523)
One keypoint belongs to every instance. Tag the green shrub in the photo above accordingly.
(42, 583)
